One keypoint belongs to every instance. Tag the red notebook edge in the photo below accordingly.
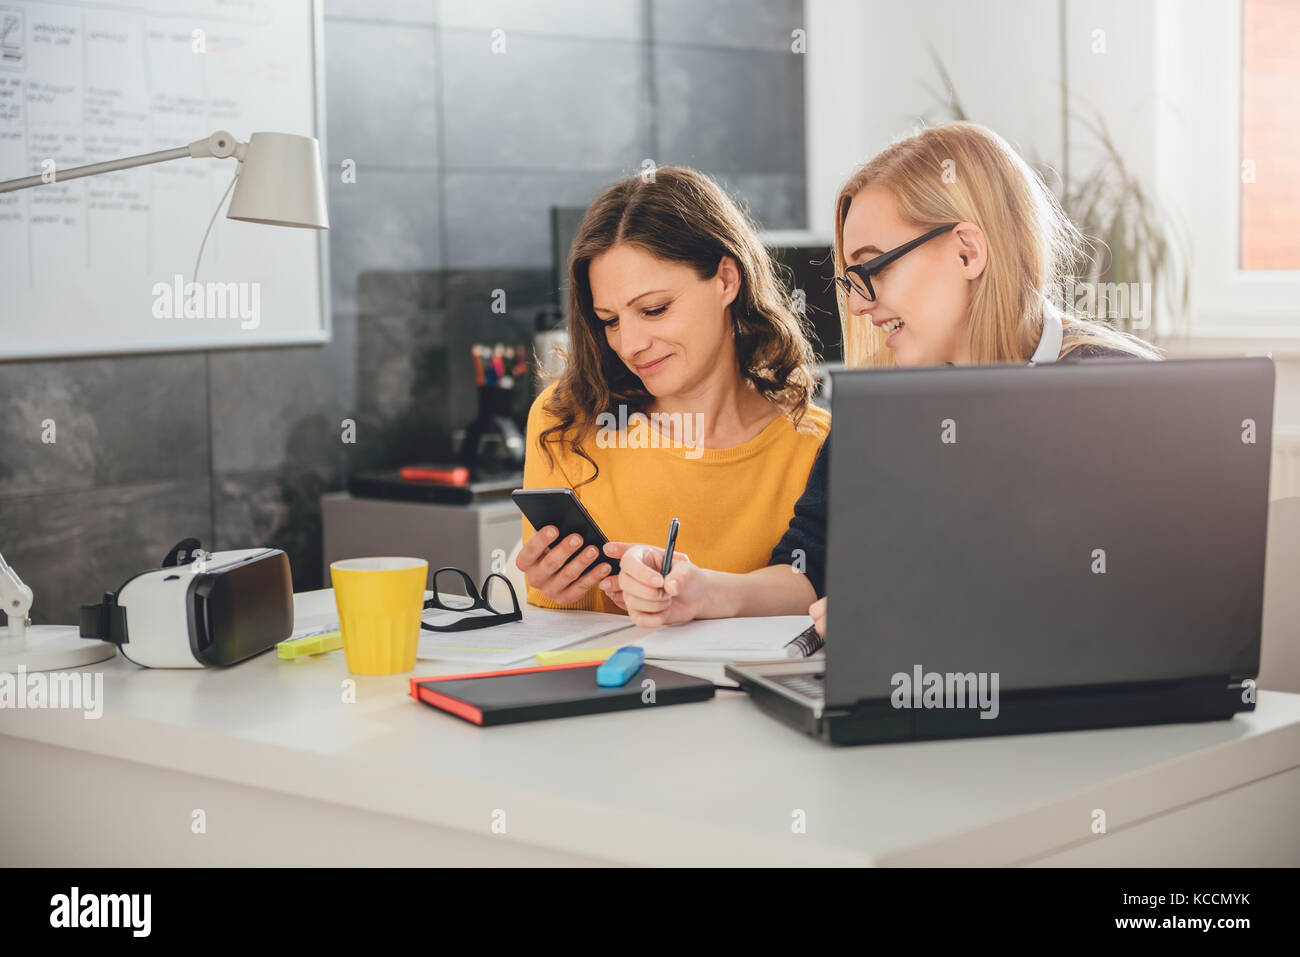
(451, 706)
(468, 711)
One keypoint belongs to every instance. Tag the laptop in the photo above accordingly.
(1012, 549)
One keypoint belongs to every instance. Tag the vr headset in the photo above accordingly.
(199, 609)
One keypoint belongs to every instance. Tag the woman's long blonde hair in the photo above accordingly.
(963, 172)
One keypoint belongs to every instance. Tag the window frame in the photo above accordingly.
(1199, 62)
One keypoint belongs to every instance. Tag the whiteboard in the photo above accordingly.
(93, 265)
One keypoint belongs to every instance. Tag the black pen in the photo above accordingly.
(668, 552)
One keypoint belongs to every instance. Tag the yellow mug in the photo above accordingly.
(380, 602)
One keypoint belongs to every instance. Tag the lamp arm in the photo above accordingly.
(15, 600)
(219, 145)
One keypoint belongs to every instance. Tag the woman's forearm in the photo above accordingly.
(774, 590)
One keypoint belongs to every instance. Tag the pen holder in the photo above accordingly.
(493, 442)
(494, 400)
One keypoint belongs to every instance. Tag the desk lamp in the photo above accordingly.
(278, 178)
(277, 182)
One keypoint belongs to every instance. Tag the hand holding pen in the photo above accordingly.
(657, 586)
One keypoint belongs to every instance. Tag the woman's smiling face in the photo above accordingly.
(669, 326)
(923, 297)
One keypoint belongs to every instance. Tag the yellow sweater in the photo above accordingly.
(734, 504)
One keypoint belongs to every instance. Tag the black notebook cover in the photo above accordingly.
(554, 691)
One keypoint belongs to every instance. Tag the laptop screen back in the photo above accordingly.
(1071, 524)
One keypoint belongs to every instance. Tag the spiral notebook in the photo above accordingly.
(734, 639)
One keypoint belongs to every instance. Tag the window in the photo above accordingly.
(1270, 136)
(1221, 99)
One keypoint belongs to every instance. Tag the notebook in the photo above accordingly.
(734, 639)
(553, 691)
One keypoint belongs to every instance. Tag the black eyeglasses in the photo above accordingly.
(478, 601)
(858, 278)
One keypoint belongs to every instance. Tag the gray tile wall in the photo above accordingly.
(460, 153)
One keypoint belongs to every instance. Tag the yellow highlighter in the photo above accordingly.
(574, 657)
(316, 644)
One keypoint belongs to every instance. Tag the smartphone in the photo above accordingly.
(561, 508)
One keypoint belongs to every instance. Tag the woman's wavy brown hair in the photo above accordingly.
(679, 215)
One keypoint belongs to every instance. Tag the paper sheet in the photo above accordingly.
(304, 625)
(726, 639)
(517, 641)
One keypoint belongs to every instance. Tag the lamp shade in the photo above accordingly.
(280, 183)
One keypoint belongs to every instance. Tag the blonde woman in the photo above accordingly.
(947, 250)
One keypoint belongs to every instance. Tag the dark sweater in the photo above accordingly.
(807, 530)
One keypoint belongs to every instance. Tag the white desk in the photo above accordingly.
(286, 774)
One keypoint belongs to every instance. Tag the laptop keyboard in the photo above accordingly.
(809, 686)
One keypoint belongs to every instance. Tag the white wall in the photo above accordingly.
(870, 78)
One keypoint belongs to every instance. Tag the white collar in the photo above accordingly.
(1049, 344)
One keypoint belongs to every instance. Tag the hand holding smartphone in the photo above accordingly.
(561, 508)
